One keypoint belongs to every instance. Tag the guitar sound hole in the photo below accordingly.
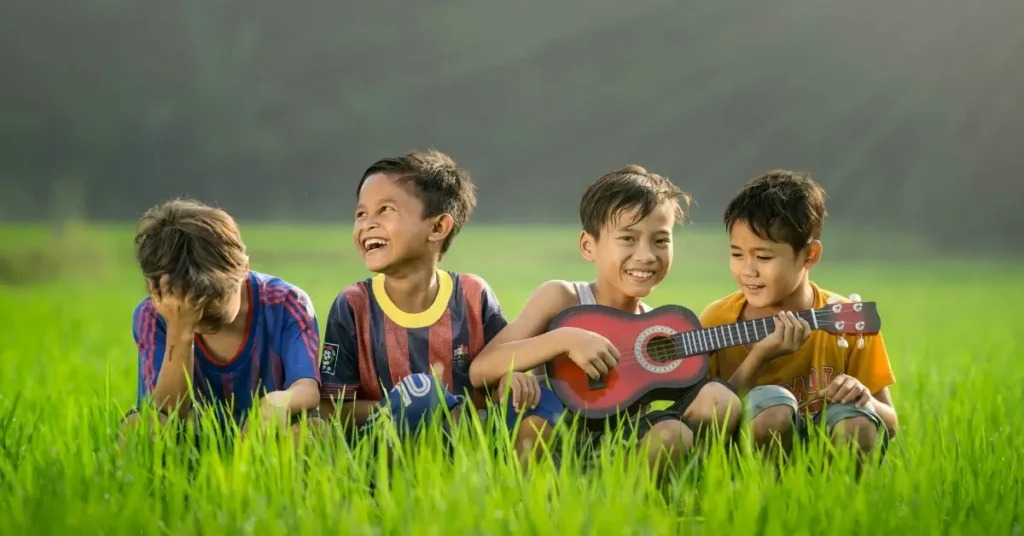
(661, 349)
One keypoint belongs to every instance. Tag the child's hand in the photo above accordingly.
(791, 332)
(593, 353)
(847, 390)
(178, 311)
(525, 390)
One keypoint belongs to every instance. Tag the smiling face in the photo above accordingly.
(389, 229)
(632, 258)
(768, 272)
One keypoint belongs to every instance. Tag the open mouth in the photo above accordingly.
(374, 244)
(640, 275)
(753, 288)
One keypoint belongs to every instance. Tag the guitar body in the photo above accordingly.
(649, 367)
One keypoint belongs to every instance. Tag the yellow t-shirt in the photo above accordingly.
(812, 367)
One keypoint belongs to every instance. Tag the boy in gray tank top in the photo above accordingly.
(628, 217)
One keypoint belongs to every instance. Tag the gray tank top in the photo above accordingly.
(586, 295)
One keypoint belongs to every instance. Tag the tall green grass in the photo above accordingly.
(68, 372)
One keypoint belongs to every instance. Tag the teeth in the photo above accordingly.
(374, 243)
(640, 274)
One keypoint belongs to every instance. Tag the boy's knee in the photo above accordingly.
(716, 404)
(861, 430)
(772, 422)
(671, 434)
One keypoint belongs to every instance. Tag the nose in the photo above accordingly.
(644, 253)
(750, 267)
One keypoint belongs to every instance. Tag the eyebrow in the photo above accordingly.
(768, 250)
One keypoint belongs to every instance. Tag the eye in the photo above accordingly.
(386, 207)
(736, 255)
(763, 258)
(627, 238)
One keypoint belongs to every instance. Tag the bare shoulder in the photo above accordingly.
(556, 295)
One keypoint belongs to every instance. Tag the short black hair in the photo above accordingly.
(437, 181)
(631, 187)
(782, 206)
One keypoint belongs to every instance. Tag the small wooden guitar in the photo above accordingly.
(663, 351)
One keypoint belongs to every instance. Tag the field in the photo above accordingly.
(68, 371)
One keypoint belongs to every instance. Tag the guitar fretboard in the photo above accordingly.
(707, 340)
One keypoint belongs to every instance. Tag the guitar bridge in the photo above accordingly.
(595, 384)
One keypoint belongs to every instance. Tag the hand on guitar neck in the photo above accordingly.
(790, 332)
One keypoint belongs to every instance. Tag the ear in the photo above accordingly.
(588, 246)
(441, 227)
(814, 250)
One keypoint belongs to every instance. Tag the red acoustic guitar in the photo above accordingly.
(666, 350)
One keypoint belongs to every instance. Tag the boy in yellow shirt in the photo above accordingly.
(774, 225)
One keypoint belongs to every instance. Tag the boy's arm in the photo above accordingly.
(523, 343)
(300, 342)
(159, 344)
(871, 367)
(339, 367)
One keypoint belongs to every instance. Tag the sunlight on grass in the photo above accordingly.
(68, 372)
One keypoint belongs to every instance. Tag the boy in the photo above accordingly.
(239, 337)
(774, 225)
(627, 216)
(388, 335)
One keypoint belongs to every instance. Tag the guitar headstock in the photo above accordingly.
(856, 318)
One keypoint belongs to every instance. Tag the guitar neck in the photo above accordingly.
(707, 340)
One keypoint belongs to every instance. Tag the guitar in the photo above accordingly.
(663, 351)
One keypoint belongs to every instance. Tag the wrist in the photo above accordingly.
(180, 333)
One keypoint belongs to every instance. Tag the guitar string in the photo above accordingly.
(627, 352)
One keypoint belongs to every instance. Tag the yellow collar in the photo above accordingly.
(415, 320)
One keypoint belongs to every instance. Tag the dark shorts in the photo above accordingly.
(636, 426)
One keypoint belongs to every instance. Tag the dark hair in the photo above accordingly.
(782, 206)
(198, 247)
(631, 187)
(437, 181)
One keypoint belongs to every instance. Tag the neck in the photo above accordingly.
(243, 308)
(413, 291)
(609, 297)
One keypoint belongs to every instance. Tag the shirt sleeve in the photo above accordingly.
(493, 317)
(150, 336)
(871, 364)
(300, 340)
(339, 361)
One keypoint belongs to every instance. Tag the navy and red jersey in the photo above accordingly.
(281, 345)
(370, 344)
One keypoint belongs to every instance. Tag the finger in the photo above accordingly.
(516, 388)
(843, 390)
(856, 393)
(864, 399)
(787, 329)
(833, 387)
(614, 352)
(609, 359)
(534, 394)
(805, 331)
(599, 365)
(591, 371)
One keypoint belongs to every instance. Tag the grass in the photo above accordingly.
(68, 371)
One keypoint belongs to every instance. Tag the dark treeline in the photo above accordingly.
(910, 113)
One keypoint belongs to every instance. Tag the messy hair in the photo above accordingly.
(625, 189)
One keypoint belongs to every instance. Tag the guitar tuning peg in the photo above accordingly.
(855, 297)
(833, 299)
(842, 343)
(860, 342)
